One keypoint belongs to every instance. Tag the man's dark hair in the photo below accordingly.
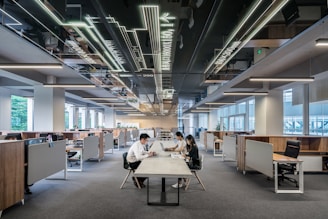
(179, 134)
(144, 135)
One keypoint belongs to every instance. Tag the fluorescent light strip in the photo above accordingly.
(117, 104)
(135, 114)
(245, 93)
(70, 85)
(200, 111)
(206, 108)
(31, 65)
(254, 32)
(234, 33)
(321, 42)
(101, 98)
(219, 103)
(303, 79)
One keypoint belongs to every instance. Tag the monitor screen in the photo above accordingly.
(15, 136)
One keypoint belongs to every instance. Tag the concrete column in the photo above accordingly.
(269, 114)
(87, 118)
(49, 109)
(109, 118)
(5, 109)
(76, 117)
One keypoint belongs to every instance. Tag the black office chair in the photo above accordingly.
(71, 158)
(127, 167)
(292, 150)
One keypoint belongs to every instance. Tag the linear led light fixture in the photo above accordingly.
(321, 42)
(245, 93)
(283, 79)
(135, 114)
(12, 18)
(31, 65)
(70, 85)
(200, 111)
(219, 103)
(235, 31)
(117, 104)
(101, 98)
(206, 108)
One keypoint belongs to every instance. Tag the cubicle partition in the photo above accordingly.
(229, 148)
(109, 142)
(45, 159)
(91, 148)
(259, 157)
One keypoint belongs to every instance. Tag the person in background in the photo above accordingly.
(192, 156)
(180, 146)
(136, 154)
(8, 137)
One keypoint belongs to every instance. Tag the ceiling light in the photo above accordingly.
(214, 81)
(206, 108)
(219, 103)
(245, 93)
(321, 42)
(101, 98)
(283, 79)
(70, 85)
(200, 111)
(30, 65)
(118, 104)
(135, 114)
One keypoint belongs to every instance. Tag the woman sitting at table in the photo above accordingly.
(191, 157)
(180, 146)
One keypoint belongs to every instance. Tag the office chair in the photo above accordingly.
(70, 157)
(127, 167)
(292, 150)
(195, 172)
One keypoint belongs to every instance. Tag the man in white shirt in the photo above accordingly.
(137, 153)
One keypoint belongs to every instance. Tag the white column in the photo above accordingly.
(49, 109)
(306, 110)
(109, 118)
(269, 114)
(87, 118)
(75, 117)
(5, 109)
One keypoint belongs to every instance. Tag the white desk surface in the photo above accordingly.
(163, 165)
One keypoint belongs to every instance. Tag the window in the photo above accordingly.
(293, 115)
(19, 115)
(318, 119)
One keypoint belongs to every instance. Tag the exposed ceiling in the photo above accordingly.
(154, 54)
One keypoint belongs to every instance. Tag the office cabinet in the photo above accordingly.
(11, 173)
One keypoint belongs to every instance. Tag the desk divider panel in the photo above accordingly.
(229, 148)
(259, 157)
(45, 160)
(90, 147)
(109, 141)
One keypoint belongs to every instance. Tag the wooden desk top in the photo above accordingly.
(280, 157)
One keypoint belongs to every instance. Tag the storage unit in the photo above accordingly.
(11, 173)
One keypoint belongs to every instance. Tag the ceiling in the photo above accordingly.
(156, 55)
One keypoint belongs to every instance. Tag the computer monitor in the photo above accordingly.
(16, 135)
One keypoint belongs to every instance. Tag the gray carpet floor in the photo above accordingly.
(95, 193)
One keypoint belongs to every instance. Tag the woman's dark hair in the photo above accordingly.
(179, 134)
(192, 140)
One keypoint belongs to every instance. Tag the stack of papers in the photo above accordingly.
(176, 155)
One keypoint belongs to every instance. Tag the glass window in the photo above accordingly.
(318, 119)
(293, 115)
(19, 116)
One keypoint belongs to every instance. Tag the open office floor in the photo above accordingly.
(95, 193)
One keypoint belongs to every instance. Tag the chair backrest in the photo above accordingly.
(201, 162)
(125, 162)
(292, 148)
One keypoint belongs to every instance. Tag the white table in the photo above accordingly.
(162, 166)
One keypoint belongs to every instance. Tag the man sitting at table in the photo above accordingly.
(180, 146)
(136, 154)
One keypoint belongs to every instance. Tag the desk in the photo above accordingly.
(278, 159)
(165, 167)
(259, 156)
